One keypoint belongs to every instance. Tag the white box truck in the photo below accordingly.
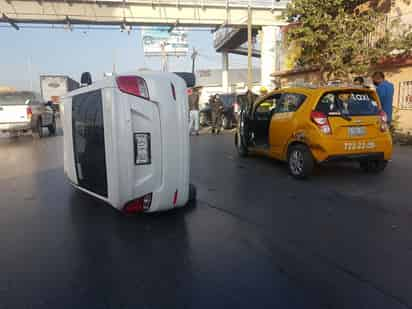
(54, 87)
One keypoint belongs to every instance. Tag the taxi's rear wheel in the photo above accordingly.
(300, 161)
(373, 166)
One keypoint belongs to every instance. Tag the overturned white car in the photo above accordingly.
(126, 140)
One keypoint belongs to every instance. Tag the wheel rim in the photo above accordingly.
(242, 127)
(296, 162)
(239, 142)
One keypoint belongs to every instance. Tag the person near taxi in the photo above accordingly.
(263, 91)
(217, 111)
(360, 81)
(385, 92)
(194, 111)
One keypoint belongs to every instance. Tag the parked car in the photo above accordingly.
(231, 110)
(205, 115)
(126, 140)
(23, 111)
(306, 126)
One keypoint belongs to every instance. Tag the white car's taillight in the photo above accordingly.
(321, 120)
(384, 121)
(133, 85)
(142, 149)
(29, 112)
(138, 205)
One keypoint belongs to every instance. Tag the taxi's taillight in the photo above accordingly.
(138, 205)
(383, 121)
(321, 120)
(133, 85)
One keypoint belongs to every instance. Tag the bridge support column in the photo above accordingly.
(225, 72)
(270, 55)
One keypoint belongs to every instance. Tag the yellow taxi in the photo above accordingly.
(307, 126)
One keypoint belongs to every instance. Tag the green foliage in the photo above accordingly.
(342, 37)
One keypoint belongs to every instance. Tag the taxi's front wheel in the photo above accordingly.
(300, 161)
(241, 148)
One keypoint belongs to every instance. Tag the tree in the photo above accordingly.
(343, 37)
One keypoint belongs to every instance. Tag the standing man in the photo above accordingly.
(360, 81)
(385, 92)
(263, 91)
(217, 109)
(194, 111)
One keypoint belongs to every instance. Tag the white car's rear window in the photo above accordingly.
(16, 98)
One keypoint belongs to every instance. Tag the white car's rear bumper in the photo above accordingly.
(17, 126)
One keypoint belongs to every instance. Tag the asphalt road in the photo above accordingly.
(256, 238)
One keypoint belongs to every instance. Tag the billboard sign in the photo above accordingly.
(160, 40)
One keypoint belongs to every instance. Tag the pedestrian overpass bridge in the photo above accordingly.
(230, 17)
(185, 13)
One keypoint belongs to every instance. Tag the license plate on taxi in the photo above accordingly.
(356, 131)
(359, 146)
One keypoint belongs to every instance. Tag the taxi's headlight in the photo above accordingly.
(142, 151)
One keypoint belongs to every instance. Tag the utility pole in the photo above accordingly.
(114, 61)
(249, 51)
(29, 73)
(194, 56)
(164, 57)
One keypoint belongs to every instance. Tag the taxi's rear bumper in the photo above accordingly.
(357, 157)
(332, 150)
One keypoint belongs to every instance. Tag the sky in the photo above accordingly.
(28, 53)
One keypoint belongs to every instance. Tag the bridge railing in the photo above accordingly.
(258, 4)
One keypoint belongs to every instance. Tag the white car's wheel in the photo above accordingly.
(38, 131)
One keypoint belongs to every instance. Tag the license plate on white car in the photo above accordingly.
(356, 131)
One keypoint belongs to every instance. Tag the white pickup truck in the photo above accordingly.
(22, 111)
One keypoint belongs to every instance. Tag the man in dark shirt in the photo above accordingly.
(217, 113)
(385, 92)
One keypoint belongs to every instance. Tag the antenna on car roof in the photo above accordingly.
(86, 79)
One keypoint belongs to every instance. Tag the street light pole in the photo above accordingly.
(194, 56)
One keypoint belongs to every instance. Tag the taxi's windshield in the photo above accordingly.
(348, 103)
